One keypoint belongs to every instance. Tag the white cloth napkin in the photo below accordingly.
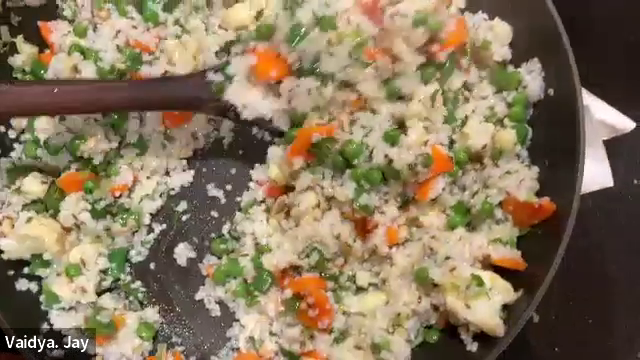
(602, 122)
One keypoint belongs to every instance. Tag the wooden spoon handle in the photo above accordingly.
(57, 97)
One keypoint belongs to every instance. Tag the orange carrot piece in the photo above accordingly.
(528, 213)
(318, 314)
(284, 277)
(424, 189)
(45, 57)
(120, 321)
(151, 357)
(246, 356)
(511, 263)
(373, 11)
(175, 119)
(307, 283)
(393, 235)
(442, 162)
(358, 103)
(102, 340)
(136, 76)
(373, 54)
(458, 36)
(119, 189)
(364, 226)
(143, 47)
(270, 66)
(177, 355)
(73, 181)
(304, 139)
(209, 270)
(273, 190)
(313, 355)
(47, 32)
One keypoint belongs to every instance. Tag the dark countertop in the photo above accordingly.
(590, 310)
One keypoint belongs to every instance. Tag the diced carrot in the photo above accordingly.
(151, 357)
(373, 54)
(273, 190)
(119, 189)
(45, 57)
(511, 263)
(73, 181)
(393, 235)
(102, 340)
(456, 37)
(209, 270)
(442, 162)
(136, 76)
(284, 277)
(270, 66)
(177, 355)
(358, 103)
(318, 314)
(304, 139)
(246, 356)
(424, 189)
(364, 226)
(175, 119)
(313, 355)
(306, 283)
(373, 11)
(143, 47)
(47, 32)
(528, 213)
(120, 321)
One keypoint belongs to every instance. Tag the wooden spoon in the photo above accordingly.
(190, 92)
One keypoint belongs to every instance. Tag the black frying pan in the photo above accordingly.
(557, 148)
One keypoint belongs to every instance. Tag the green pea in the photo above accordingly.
(431, 335)
(220, 276)
(522, 133)
(107, 73)
(132, 59)
(297, 119)
(264, 31)
(520, 99)
(517, 114)
(35, 206)
(73, 270)
(80, 29)
(391, 173)
(263, 249)
(421, 276)
(92, 55)
(51, 148)
(428, 73)
(233, 267)
(30, 149)
(53, 197)
(242, 290)
(323, 148)
(503, 79)
(392, 90)
(364, 208)
(98, 213)
(459, 215)
(262, 281)
(90, 186)
(38, 263)
(49, 297)
(76, 48)
(219, 87)
(221, 246)
(461, 156)
(38, 70)
(487, 209)
(117, 261)
(113, 170)
(426, 160)
(327, 23)
(448, 68)
(146, 331)
(74, 145)
(352, 150)
(392, 136)
(297, 34)
(420, 19)
(150, 15)
(292, 304)
(337, 163)
(373, 176)
(141, 145)
(101, 328)
(378, 347)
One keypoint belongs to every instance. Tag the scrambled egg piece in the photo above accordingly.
(40, 234)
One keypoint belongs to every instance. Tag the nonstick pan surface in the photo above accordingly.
(557, 148)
